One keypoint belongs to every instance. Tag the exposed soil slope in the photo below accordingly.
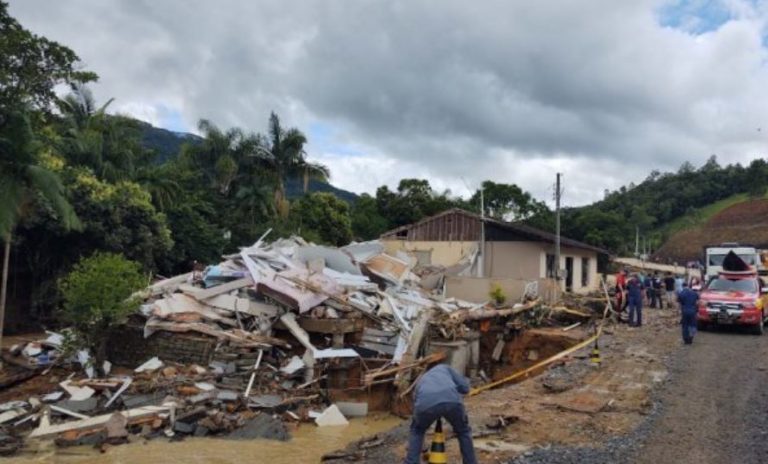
(745, 222)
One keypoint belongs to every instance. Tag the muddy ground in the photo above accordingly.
(588, 407)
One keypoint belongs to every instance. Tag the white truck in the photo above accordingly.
(714, 256)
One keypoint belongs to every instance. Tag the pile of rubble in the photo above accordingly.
(304, 333)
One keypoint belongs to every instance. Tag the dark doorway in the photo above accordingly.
(569, 274)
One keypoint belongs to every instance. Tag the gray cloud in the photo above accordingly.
(452, 91)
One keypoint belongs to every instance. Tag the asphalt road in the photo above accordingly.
(715, 407)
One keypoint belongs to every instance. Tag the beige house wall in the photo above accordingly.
(514, 260)
(509, 261)
(443, 253)
(528, 261)
(593, 282)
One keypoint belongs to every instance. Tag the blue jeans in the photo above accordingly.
(688, 324)
(635, 311)
(455, 415)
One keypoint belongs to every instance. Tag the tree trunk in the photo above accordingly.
(101, 354)
(4, 288)
(280, 201)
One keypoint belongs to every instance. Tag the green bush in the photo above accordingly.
(497, 295)
(97, 297)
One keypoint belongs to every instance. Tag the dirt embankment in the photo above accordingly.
(745, 222)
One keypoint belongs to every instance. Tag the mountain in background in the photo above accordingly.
(167, 144)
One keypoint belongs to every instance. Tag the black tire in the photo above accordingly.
(759, 329)
(702, 326)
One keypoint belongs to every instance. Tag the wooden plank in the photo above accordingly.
(525, 372)
(99, 421)
(289, 320)
(223, 288)
(433, 358)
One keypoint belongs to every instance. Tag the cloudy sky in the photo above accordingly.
(452, 91)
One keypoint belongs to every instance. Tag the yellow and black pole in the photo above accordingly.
(437, 450)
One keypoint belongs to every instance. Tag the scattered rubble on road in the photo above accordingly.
(303, 333)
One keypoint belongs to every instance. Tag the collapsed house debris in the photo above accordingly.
(300, 333)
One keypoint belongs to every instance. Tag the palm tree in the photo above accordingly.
(222, 155)
(22, 182)
(109, 145)
(161, 184)
(284, 156)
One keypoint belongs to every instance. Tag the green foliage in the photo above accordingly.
(97, 297)
(23, 180)
(322, 217)
(662, 204)
(31, 66)
(497, 295)
(367, 222)
(506, 202)
(119, 218)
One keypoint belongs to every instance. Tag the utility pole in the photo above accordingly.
(557, 236)
(481, 261)
(637, 241)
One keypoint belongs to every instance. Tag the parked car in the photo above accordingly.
(734, 298)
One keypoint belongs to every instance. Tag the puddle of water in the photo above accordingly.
(308, 444)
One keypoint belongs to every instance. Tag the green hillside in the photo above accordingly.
(664, 204)
(701, 215)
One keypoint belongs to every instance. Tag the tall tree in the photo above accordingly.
(22, 182)
(283, 154)
(109, 145)
(31, 66)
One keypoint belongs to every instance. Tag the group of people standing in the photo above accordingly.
(652, 290)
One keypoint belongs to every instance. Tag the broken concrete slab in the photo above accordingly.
(150, 365)
(116, 427)
(261, 426)
(350, 409)
(266, 401)
(293, 366)
(53, 397)
(136, 401)
(331, 417)
(77, 393)
(333, 258)
(85, 405)
(227, 395)
(184, 427)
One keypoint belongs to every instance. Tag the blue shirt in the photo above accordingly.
(635, 289)
(688, 299)
(441, 384)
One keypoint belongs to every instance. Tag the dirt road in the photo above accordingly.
(715, 407)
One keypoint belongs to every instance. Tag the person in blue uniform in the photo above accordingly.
(439, 393)
(635, 298)
(688, 300)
